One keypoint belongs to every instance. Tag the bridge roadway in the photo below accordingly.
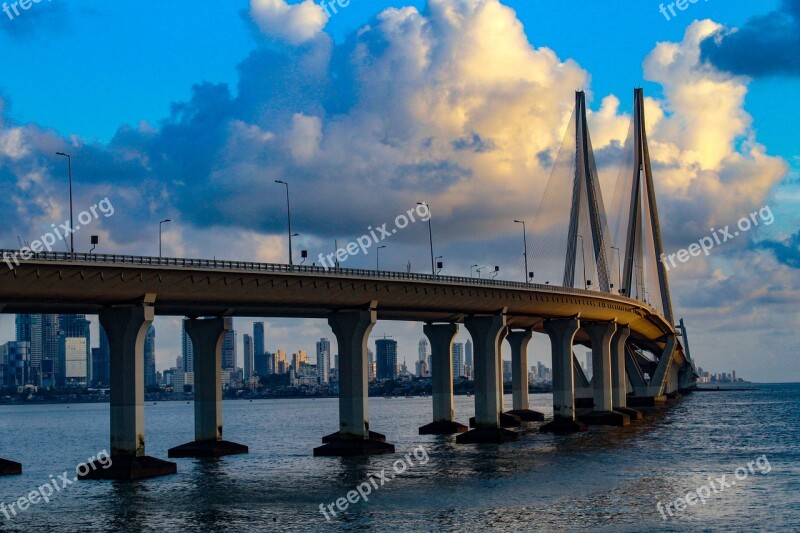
(128, 291)
(89, 283)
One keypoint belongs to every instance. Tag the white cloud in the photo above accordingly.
(293, 23)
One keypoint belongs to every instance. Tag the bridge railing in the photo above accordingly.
(218, 264)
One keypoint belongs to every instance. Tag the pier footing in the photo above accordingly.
(486, 435)
(211, 448)
(646, 401)
(563, 426)
(442, 428)
(605, 418)
(632, 413)
(527, 415)
(336, 446)
(10, 468)
(127, 468)
(506, 421)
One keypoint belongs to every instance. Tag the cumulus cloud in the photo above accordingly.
(293, 23)
(765, 45)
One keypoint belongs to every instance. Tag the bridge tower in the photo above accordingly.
(643, 223)
(587, 204)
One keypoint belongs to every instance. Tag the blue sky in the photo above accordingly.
(134, 90)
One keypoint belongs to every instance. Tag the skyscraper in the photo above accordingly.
(588, 370)
(468, 353)
(249, 357)
(258, 339)
(323, 360)
(423, 349)
(70, 327)
(187, 350)
(458, 360)
(386, 356)
(150, 358)
(229, 347)
(101, 362)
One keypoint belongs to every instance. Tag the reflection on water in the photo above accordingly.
(608, 479)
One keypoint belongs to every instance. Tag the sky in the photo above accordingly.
(191, 110)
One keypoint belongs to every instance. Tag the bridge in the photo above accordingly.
(638, 358)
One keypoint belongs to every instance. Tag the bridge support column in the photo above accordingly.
(352, 328)
(207, 336)
(619, 378)
(519, 341)
(487, 333)
(603, 414)
(562, 334)
(441, 338)
(126, 328)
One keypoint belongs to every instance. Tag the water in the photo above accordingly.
(602, 480)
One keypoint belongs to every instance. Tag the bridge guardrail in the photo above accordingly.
(218, 264)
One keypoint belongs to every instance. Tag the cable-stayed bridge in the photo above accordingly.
(620, 309)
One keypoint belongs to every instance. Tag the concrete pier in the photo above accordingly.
(487, 332)
(603, 414)
(619, 379)
(207, 336)
(519, 340)
(562, 335)
(10, 468)
(352, 328)
(441, 338)
(126, 328)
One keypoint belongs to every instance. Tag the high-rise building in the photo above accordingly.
(249, 357)
(150, 358)
(101, 362)
(187, 350)
(323, 360)
(386, 358)
(458, 360)
(229, 347)
(588, 370)
(258, 340)
(370, 364)
(423, 349)
(52, 369)
(469, 364)
(15, 365)
(260, 363)
(281, 366)
(75, 362)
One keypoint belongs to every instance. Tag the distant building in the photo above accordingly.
(229, 347)
(258, 339)
(458, 360)
(323, 360)
(423, 349)
(249, 356)
(422, 369)
(75, 362)
(101, 362)
(370, 364)
(587, 369)
(187, 350)
(386, 358)
(506, 370)
(15, 364)
(150, 379)
(469, 364)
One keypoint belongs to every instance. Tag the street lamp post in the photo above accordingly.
(470, 270)
(430, 237)
(378, 257)
(71, 222)
(583, 258)
(289, 216)
(619, 267)
(159, 235)
(525, 240)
